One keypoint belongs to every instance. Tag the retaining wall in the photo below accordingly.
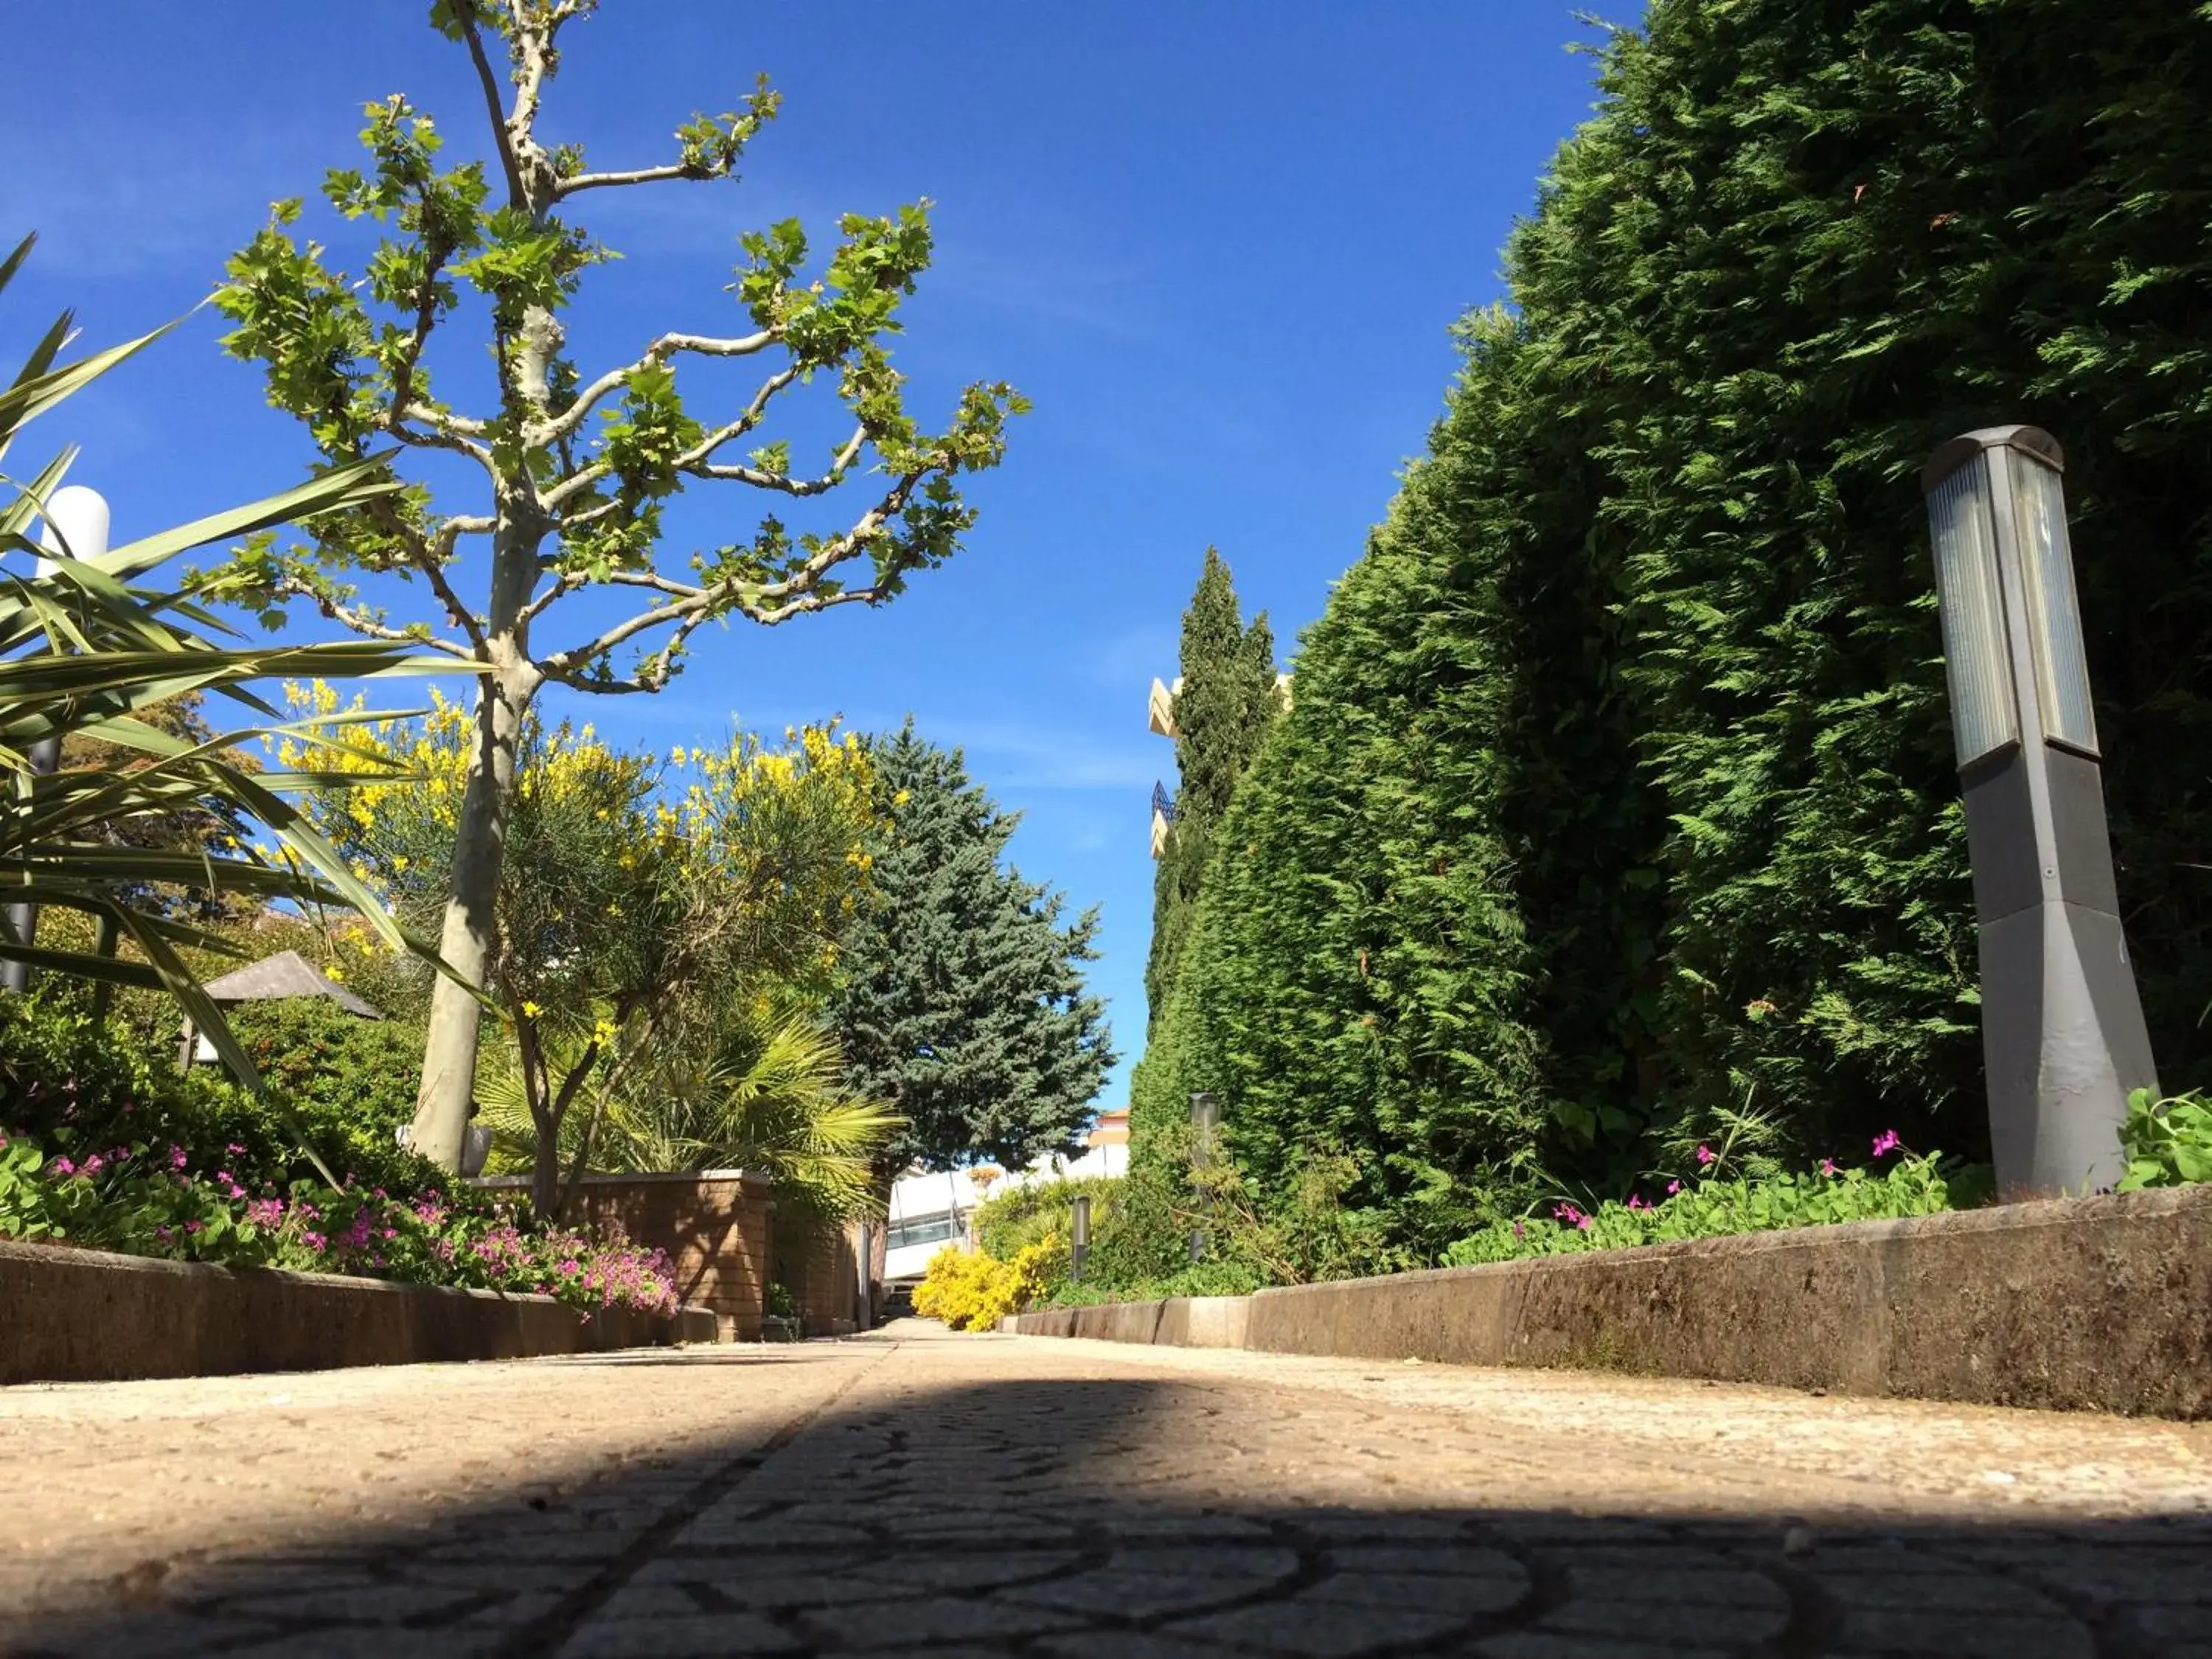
(71, 1315)
(2102, 1302)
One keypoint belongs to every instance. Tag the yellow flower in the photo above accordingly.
(530, 1009)
(331, 971)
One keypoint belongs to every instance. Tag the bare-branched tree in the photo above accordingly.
(574, 470)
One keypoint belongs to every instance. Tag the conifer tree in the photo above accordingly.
(964, 1003)
(1222, 711)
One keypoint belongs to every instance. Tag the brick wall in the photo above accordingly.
(818, 1261)
(718, 1229)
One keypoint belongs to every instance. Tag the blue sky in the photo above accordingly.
(1217, 244)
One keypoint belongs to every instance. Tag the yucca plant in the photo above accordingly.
(86, 650)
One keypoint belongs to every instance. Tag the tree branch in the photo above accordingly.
(431, 562)
(486, 78)
(693, 170)
(768, 603)
(544, 432)
(360, 621)
(446, 432)
(576, 483)
(789, 486)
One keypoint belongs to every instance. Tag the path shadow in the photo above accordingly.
(1205, 1518)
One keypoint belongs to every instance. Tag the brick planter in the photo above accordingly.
(71, 1315)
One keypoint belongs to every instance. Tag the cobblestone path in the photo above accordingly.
(915, 1492)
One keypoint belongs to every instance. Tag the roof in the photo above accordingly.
(287, 974)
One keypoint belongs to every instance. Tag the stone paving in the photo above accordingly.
(915, 1492)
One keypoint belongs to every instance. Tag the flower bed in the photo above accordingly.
(98, 1152)
(1715, 1204)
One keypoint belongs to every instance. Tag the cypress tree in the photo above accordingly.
(1222, 711)
(963, 1001)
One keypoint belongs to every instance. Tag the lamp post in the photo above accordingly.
(76, 521)
(2063, 1040)
(1079, 1248)
(1204, 1117)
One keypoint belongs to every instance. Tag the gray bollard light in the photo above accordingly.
(1078, 1246)
(2063, 1039)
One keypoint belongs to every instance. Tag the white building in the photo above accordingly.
(931, 1210)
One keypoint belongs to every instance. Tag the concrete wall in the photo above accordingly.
(83, 1315)
(716, 1228)
(2101, 1302)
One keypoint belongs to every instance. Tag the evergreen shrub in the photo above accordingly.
(1617, 801)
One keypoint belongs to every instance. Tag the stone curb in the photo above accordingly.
(2089, 1304)
(70, 1315)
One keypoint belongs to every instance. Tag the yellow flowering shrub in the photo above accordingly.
(971, 1291)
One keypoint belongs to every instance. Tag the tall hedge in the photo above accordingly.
(1222, 707)
(1618, 791)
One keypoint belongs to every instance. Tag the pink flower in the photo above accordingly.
(62, 1166)
(1705, 1154)
(1673, 1186)
(1636, 1201)
(1886, 1142)
(1828, 1166)
(235, 1150)
(93, 1165)
(264, 1211)
(191, 1226)
(313, 1241)
(176, 1156)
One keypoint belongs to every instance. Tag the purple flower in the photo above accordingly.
(313, 1241)
(176, 1155)
(264, 1211)
(93, 1165)
(62, 1166)
(191, 1226)
(1886, 1142)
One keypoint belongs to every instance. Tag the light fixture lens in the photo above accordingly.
(1962, 524)
(2054, 612)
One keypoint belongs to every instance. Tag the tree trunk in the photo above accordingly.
(470, 933)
